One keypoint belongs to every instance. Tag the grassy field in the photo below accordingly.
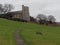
(7, 29)
(51, 35)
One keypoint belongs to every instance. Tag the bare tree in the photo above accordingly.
(51, 19)
(6, 8)
(42, 18)
(1, 8)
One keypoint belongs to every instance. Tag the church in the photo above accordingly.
(20, 15)
(23, 14)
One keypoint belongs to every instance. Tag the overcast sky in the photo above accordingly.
(48, 7)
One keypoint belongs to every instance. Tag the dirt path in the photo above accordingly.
(19, 40)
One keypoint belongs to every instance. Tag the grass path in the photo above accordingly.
(19, 39)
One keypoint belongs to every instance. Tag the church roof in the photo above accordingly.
(15, 12)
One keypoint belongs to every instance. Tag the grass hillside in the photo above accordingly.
(51, 35)
(7, 29)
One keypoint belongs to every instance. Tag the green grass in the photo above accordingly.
(7, 29)
(51, 35)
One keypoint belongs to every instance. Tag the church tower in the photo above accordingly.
(25, 13)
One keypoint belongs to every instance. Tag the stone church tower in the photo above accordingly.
(25, 13)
